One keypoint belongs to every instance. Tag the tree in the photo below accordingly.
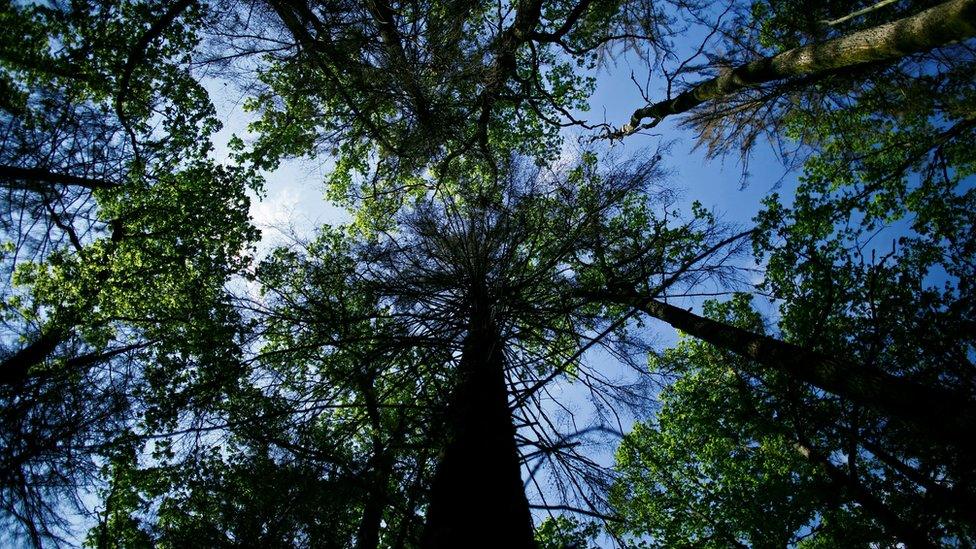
(937, 26)
(120, 232)
(750, 459)
(849, 296)
(501, 263)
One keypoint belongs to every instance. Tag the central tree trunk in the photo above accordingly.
(477, 496)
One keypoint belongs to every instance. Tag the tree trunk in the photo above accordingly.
(934, 414)
(368, 534)
(944, 24)
(15, 369)
(477, 497)
(41, 180)
(380, 469)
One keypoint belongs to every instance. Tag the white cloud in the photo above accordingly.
(277, 209)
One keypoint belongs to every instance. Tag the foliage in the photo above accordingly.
(870, 257)
(563, 532)
(122, 234)
(719, 467)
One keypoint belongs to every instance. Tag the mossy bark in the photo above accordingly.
(944, 24)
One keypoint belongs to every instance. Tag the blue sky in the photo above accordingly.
(294, 193)
(294, 200)
(294, 197)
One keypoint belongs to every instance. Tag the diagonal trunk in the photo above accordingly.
(935, 414)
(477, 496)
(941, 25)
(15, 369)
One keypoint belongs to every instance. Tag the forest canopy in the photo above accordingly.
(526, 327)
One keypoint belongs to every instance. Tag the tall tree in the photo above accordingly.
(754, 458)
(481, 292)
(941, 25)
(119, 234)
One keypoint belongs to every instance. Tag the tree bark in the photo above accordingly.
(477, 497)
(40, 179)
(15, 369)
(935, 414)
(368, 534)
(941, 25)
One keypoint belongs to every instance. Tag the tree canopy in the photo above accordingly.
(474, 355)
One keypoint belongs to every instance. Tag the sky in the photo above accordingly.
(294, 203)
(295, 192)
